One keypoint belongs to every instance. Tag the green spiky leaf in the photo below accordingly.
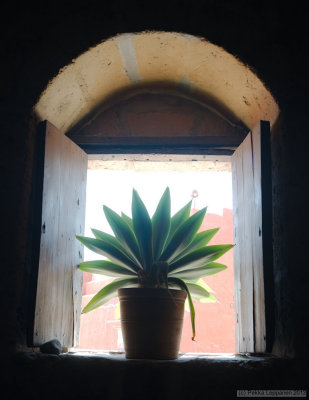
(142, 229)
(200, 240)
(199, 293)
(199, 257)
(109, 250)
(195, 273)
(108, 238)
(178, 219)
(161, 221)
(105, 267)
(182, 285)
(123, 233)
(183, 235)
(109, 292)
(127, 219)
(203, 284)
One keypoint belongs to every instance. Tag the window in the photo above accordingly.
(63, 205)
(110, 180)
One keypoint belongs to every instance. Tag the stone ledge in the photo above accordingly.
(112, 376)
(184, 358)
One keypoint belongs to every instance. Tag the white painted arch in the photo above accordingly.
(131, 59)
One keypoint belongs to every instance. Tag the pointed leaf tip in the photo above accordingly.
(142, 229)
(161, 223)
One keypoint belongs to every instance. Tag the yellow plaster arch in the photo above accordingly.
(133, 59)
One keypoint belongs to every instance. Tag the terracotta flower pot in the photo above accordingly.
(151, 322)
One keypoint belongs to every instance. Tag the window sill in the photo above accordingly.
(184, 358)
(87, 374)
(120, 355)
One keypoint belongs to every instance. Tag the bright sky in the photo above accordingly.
(114, 189)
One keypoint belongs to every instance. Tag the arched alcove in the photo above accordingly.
(170, 89)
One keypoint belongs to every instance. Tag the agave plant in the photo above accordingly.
(158, 252)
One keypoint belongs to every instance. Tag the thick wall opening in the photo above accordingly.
(156, 92)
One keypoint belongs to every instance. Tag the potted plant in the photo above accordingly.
(156, 262)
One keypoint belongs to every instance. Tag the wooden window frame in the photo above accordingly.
(222, 147)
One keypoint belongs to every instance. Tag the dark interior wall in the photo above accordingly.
(37, 41)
